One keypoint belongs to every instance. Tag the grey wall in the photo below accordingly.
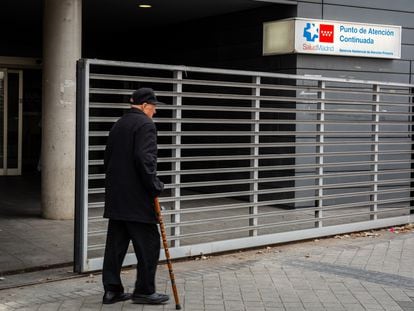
(396, 12)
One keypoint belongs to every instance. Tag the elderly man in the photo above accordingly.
(130, 188)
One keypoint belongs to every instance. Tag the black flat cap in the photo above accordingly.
(144, 95)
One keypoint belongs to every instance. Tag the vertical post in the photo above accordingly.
(411, 130)
(61, 49)
(375, 152)
(79, 165)
(254, 162)
(320, 140)
(20, 116)
(82, 172)
(5, 114)
(176, 128)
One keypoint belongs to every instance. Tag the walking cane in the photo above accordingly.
(167, 254)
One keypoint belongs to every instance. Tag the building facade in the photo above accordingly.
(42, 41)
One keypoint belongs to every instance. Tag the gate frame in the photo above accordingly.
(81, 261)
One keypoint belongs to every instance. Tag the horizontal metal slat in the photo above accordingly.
(186, 81)
(263, 156)
(273, 179)
(262, 109)
(266, 226)
(258, 227)
(267, 145)
(235, 72)
(249, 121)
(307, 211)
(259, 157)
(299, 88)
(249, 169)
(250, 97)
(267, 191)
(288, 212)
(270, 133)
(219, 208)
(297, 134)
(280, 201)
(287, 167)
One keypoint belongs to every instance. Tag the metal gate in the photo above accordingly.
(250, 158)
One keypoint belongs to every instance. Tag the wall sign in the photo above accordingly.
(310, 36)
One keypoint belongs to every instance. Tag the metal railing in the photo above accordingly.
(250, 158)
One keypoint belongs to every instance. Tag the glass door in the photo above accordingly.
(11, 93)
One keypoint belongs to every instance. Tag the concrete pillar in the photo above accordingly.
(61, 49)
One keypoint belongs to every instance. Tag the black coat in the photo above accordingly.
(131, 169)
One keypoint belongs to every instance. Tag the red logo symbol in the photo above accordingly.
(326, 33)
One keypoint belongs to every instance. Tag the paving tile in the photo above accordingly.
(332, 280)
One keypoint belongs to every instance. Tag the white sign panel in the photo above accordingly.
(334, 38)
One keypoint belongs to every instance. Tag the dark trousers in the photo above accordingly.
(146, 241)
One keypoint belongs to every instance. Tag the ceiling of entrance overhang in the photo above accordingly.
(165, 11)
(117, 12)
(115, 29)
(104, 20)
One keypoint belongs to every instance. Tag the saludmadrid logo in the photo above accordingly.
(314, 33)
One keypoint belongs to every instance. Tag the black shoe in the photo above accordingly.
(153, 299)
(112, 297)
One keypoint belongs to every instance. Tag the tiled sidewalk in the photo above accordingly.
(372, 272)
